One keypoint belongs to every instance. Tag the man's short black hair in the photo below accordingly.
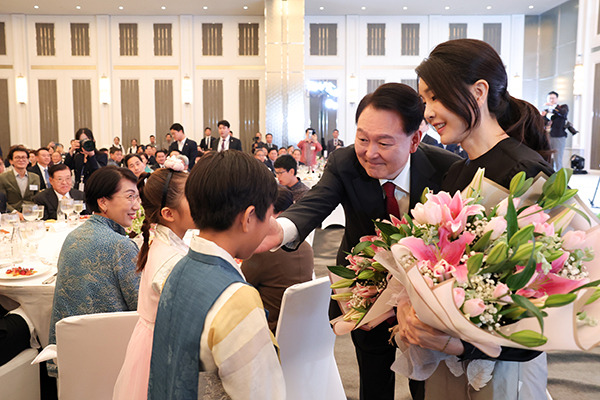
(222, 185)
(554, 93)
(269, 134)
(177, 127)
(224, 122)
(55, 168)
(208, 129)
(113, 150)
(130, 156)
(286, 162)
(37, 152)
(161, 151)
(16, 148)
(105, 182)
(152, 136)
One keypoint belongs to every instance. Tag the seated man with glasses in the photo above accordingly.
(62, 188)
(18, 185)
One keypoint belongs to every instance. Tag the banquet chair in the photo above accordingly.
(19, 379)
(90, 350)
(306, 343)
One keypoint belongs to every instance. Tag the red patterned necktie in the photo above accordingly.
(222, 144)
(390, 200)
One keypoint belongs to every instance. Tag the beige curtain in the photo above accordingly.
(128, 39)
(457, 31)
(212, 39)
(82, 103)
(80, 39)
(2, 39)
(212, 98)
(44, 36)
(376, 39)
(163, 40)
(373, 84)
(163, 106)
(4, 118)
(249, 111)
(323, 39)
(410, 39)
(48, 110)
(492, 35)
(130, 110)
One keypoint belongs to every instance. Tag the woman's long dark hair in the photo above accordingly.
(455, 65)
(152, 188)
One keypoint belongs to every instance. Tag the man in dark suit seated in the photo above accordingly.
(42, 156)
(335, 143)
(227, 142)
(60, 178)
(183, 145)
(18, 185)
(358, 177)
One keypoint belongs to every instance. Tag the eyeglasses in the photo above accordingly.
(280, 172)
(20, 158)
(132, 197)
(61, 180)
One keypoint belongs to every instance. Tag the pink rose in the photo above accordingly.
(473, 307)
(497, 225)
(573, 240)
(502, 292)
(532, 215)
(365, 291)
(459, 296)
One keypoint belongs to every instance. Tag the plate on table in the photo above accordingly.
(5, 273)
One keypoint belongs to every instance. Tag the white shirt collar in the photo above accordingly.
(205, 246)
(401, 181)
(169, 237)
(17, 175)
(226, 138)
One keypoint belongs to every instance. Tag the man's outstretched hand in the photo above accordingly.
(273, 239)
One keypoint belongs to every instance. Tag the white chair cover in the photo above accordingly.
(306, 343)
(90, 352)
(19, 379)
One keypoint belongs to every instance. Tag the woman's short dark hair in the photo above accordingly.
(222, 185)
(105, 182)
(87, 132)
(455, 65)
(398, 98)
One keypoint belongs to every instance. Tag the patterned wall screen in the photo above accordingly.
(130, 110)
(82, 103)
(44, 38)
(248, 39)
(457, 31)
(4, 117)
(2, 39)
(212, 39)
(128, 39)
(492, 35)
(410, 39)
(373, 84)
(48, 110)
(249, 111)
(163, 105)
(323, 39)
(80, 39)
(376, 39)
(163, 40)
(212, 98)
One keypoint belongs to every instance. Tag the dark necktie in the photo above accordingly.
(47, 178)
(390, 200)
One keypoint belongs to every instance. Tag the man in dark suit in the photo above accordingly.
(270, 145)
(387, 136)
(207, 141)
(227, 142)
(42, 156)
(335, 143)
(60, 178)
(183, 145)
(18, 185)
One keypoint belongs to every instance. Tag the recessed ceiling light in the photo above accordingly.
(530, 7)
(489, 7)
(405, 8)
(205, 8)
(321, 8)
(163, 7)
(447, 7)
(120, 7)
(36, 7)
(245, 7)
(363, 8)
(78, 7)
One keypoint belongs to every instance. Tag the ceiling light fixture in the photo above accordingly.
(405, 8)
(120, 7)
(205, 8)
(163, 7)
(245, 7)
(321, 8)
(363, 8)
(78, 7)
(530, 7)
(447, 7)
(36, 7)
(489, 7)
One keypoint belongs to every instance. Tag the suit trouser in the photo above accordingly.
(14, 336)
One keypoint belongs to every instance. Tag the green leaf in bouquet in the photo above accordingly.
(360, 247)
(569, 193)
(502, 267)
(511, 218)
(529, 306)
(342, 271)
(553, 255)
(593, 297)
(366, 274)
(559, 186)
(382, 244)
(342, 296)
(523, 235)
(528, 338)
(524, 187)
(587, 285)
(378, 267)
(386, 228)
(483, 242)
(578, 211)
(516, 182)
(498, 253)
(368, 251)
(518, 281)
(526, 251)
(423, 198)
(559, 300)
(342, 283)
(397, 236)
(474, 263)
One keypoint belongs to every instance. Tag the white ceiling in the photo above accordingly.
(256, 7)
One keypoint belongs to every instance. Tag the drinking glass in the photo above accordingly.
(30, 212)
(78, 207)
(40, 213)
(66, 206)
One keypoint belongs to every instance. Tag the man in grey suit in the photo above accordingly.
(18, 185)
(60, 178)
(387, 137)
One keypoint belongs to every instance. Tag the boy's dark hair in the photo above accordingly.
(105, 182)
(222, 185)
(55, 168)
(177, 127)
(284, 199)
(224, 123)
(286, 162)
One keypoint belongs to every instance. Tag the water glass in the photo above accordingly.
(30, 212)
(40, 213)
(78, 207)
(66, 207)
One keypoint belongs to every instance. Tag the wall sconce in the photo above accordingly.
(187, 90)
(21, 89)
(352, 89)
(578, 80)
(104, 90)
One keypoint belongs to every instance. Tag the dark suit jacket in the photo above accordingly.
(429, 140)
(331, 147)
(190, 150)
(9, 186)
(204, 143)
(345, 181)
(272, 146)
(36, 170)
(48, 199)
(97, 161)
(234, 144)
(270, 165)
(2, 203)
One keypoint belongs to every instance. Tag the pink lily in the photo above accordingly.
(541, 285)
